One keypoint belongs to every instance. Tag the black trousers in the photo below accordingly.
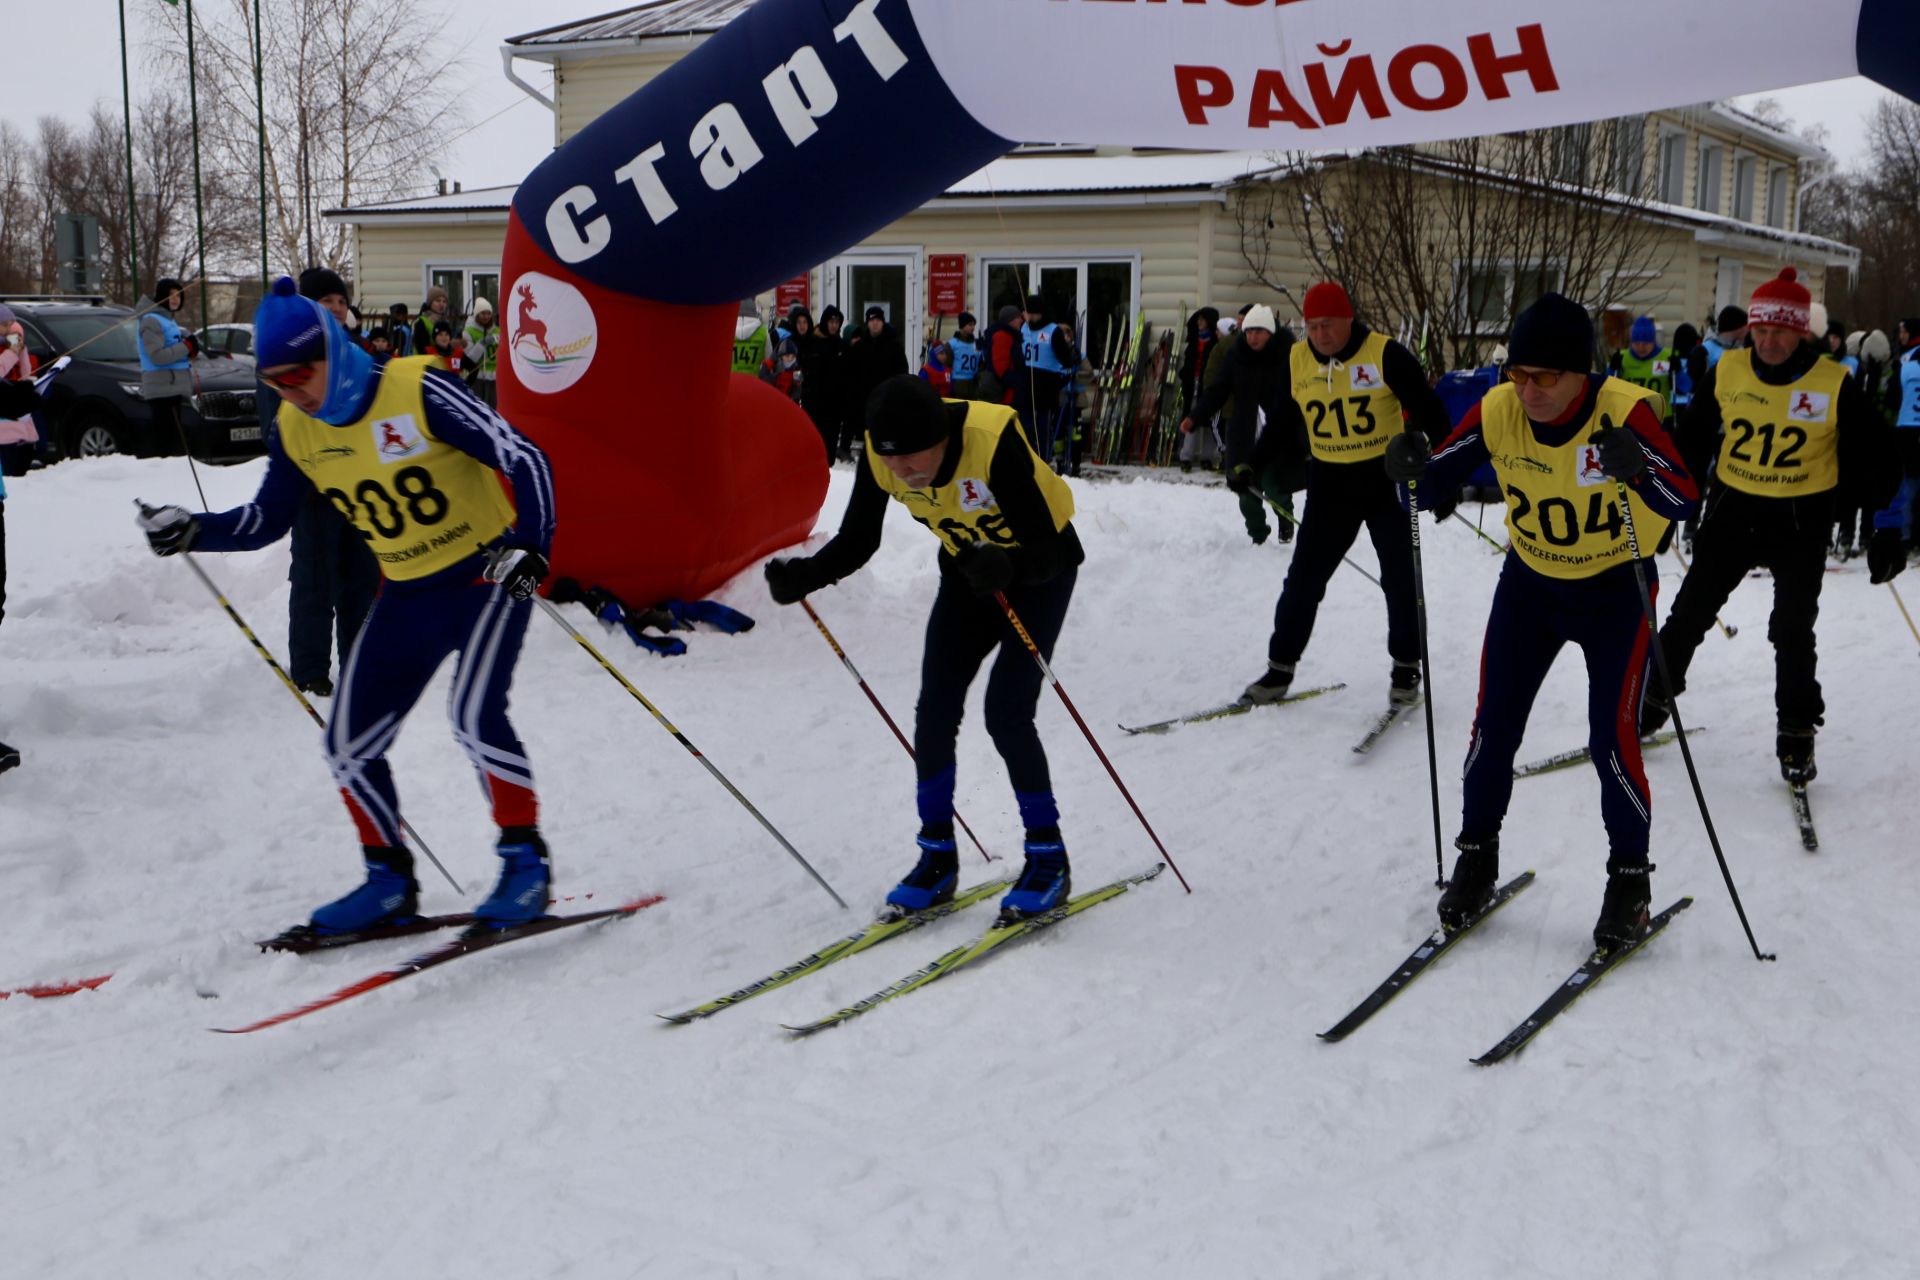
(1342, 497)
(961, 631)
(332, 582)
(1738, 533)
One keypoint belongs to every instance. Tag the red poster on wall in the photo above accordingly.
(797, 292)
(946, 284)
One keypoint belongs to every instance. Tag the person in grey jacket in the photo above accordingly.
(166, 378)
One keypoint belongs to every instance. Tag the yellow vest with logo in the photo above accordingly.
(1349, 410)
(964, 510)
(1563, 512)
(421, 504)
(1780, 442)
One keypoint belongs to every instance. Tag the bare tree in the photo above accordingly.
(1445, 241)
(355, 103)
(1876, 207)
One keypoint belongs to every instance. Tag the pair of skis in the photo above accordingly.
(997, 936)
(1581, 980)
(474, 940)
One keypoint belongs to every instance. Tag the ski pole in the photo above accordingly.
(1679, 728)
(1287, 515)
(1426, 674)
(861, 680)
(1725, 630)
(1481, 534)
(294, 689)
(1903, 609)
(1074, 711)
(692, 750)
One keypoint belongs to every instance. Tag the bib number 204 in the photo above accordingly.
(1560, 522)
(375, 512)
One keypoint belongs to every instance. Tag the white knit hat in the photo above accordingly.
(1261, 317)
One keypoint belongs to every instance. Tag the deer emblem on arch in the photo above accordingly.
(527, 325)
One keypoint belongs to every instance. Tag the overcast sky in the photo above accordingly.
(502, 149)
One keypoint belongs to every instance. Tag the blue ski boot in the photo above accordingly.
(932, 879)
(390, 895)
(520, 895)
(1045, 882)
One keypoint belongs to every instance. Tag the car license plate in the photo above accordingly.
(243, 433)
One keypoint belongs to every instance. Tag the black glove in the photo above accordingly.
(169, 530)
(986, 568)
(1886, 556)
(1621, 454)
(18, 399)
(1406, 457)
(1443, 506)
(791, 581)
(517, 570)
(1240, 479)
(193, 345)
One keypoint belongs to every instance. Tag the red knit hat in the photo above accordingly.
(1782, 301)
(1328, 301)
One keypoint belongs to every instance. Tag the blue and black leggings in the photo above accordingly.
(961, 631)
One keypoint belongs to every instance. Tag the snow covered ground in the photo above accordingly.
(1138, 1093)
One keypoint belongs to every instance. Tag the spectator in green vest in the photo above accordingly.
(1645, 363)
(482, 340)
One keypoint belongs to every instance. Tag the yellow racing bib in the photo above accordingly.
(964, 510)
(1563, 512)
(1349, 410)
(421, 504)
(1780, 442)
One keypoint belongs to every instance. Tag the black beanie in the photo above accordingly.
(1730, 318)
(1553, 333)
(1036, 304)
(905, 415)
(319, 282)
(966, 318)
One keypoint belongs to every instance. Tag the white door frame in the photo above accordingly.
(833, 287)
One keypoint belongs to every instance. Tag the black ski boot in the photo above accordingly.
(1795, 750)
(1625, 910)
(1403, 687)
(1476, 873)
(1271, 687)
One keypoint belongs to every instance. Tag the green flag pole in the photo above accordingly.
(199, 208)
(133, 203)
(260, 110)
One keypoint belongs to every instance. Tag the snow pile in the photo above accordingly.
(1138, 1093)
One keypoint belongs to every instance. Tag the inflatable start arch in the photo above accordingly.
(801, 127)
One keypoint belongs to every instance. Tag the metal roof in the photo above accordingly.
(642, 21)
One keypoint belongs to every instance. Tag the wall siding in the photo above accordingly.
(390, 260)
(587, 87)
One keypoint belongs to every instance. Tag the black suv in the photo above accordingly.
(94, 407)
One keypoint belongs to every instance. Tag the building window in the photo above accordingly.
(1673, 168)
(1630, 155)
(1571, 147)
(1746, 170)
(1777, 197)
(465, 283)
(1712, 159)
(1096, 295)
(1496, 292)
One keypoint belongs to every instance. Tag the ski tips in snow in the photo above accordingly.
(47, 991)
(996, 936)
(1438, 943)
(1391, 716)
(859, 940)
(1803, 816)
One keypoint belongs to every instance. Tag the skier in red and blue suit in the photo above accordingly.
(414, 460)
(1562, 440)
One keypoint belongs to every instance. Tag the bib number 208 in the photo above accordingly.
(375, 512)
